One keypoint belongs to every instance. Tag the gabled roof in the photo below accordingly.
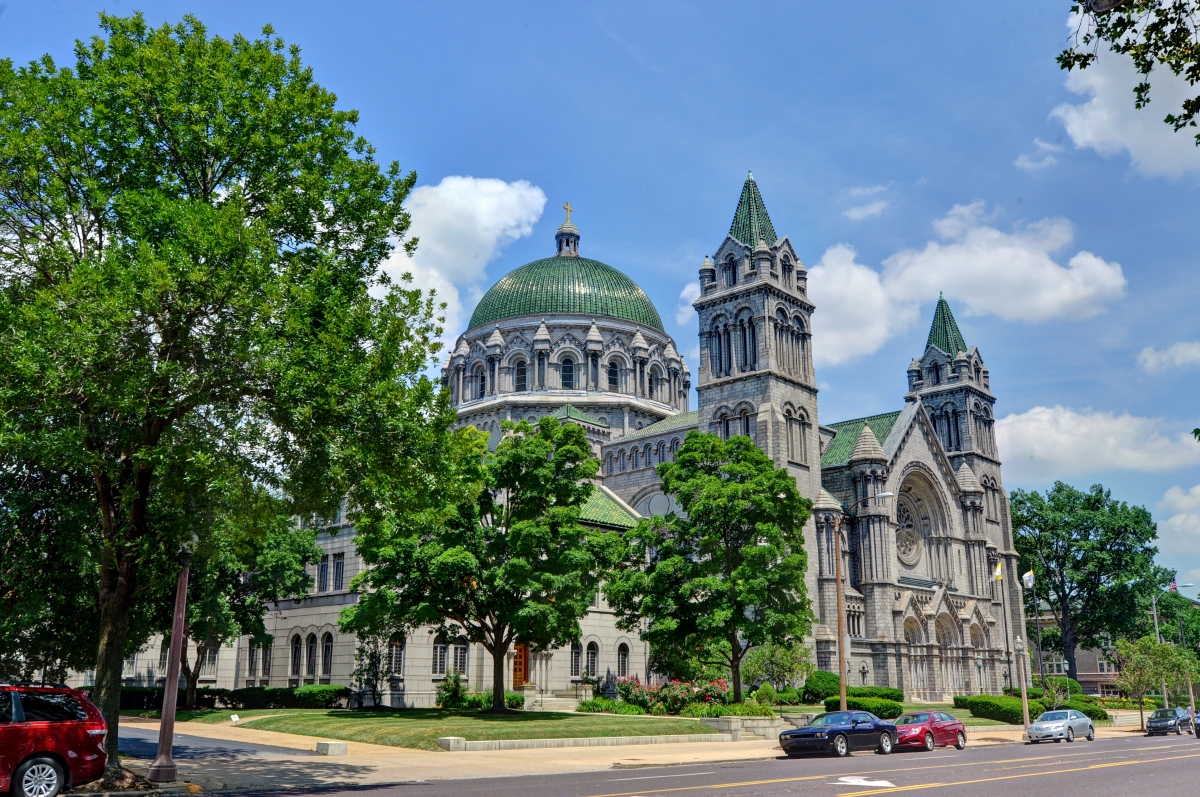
(751, 223)
(669, 424)
(944, 332)
(839, 451)
(604, 508)
(567, 412)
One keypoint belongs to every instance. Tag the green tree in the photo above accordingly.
(190, 231)
(1094, 559)
(1143, 665)
(507, 563)
(727, 574)
(1154, 34)
(777, 664)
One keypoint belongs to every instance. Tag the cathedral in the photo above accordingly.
(576, 339)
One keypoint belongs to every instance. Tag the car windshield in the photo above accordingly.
(836, 718)
(1053, 716)
(912, 719)
(1163, 714)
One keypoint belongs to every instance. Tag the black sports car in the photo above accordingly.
(840, 732)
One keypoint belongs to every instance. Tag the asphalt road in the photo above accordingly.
(1123, 767)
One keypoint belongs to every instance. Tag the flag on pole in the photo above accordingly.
(999, 574)
(1028, 579)
(1173, 587)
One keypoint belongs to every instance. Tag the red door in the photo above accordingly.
(520, 666)
(10, 742)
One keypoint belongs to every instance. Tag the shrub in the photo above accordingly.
(452, 692)
(789, 696)
(634, 692)
(261, 697)
(879, 692)
(960, 701)
(710, 710)
(1064, 683)
(1001, 709)
(597, 705)
(1089, 710)
(884, 709)
(819, 686)
(135, 698)
(483, 700)
(622, 707)
(766, 695)
(320, 695)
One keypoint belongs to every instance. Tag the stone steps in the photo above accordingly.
(550, 703)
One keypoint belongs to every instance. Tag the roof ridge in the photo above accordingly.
(751, 222)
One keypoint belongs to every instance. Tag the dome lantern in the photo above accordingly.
(567, 237)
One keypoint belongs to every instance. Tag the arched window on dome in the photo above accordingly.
(479, 383)
(614, 378)
(567, 373)
(521, 377)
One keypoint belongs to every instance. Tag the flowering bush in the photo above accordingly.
(671, 698)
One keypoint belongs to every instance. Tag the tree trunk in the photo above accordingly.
(191, 674)
(117, 582)
(735, 667)
(1068, 643)
(499, 654)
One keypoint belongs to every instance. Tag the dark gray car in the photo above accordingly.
(1168, 720)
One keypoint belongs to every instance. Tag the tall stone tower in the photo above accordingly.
(756, 369)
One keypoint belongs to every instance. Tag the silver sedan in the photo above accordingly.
(1061, 724)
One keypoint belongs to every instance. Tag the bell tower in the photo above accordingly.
(756, 371)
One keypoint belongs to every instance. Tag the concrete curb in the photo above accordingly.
(458, 744)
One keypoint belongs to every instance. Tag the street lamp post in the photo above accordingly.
(163, 770)
(1019, 644)
(843, 666)
(1157, 635)
(979, 670)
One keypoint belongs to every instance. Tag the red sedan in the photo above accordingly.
(926, 730)
(51, 739)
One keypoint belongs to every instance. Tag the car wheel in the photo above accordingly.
(1178, 730)
(885, 744)
(1070, 734)
(1091, 737)
(841, 747)
(928, 741)
(38, 777)
(961, 741)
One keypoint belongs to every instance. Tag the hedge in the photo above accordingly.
(483, 700)
(710, 710)
(321, 695)
(266, 697)
(878, 692)
(1001, 709)
(135, 698)
(884, 709)
(819, 686)
(1092, 712)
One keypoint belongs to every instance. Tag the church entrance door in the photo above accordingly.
(520, 666)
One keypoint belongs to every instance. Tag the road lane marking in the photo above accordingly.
(1106, 765)
(859, 780)
(798, 779)
(653, 777)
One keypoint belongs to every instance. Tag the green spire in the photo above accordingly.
(944, 333)
(751, 222)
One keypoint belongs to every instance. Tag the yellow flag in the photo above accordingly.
(999, 574)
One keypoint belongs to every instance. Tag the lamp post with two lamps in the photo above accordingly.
(843, 667)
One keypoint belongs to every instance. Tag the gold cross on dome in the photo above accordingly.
(567, 207)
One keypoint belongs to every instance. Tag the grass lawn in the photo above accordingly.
(421, 728)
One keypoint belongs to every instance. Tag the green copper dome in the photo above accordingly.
(559, 285)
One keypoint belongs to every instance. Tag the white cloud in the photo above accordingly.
(860, 212)
(462, 224)
(855, 314)
(1179, 534)
(1042, 159)
(1181, 355)
(1048, 443)
(1108, 122)
(859, 193)
(684, 312)
(1012, 275)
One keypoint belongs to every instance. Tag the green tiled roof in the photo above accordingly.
(602, 510)
(568, 412)
(944, 332)
(842, 447)
(750, 221)
(566, 285)
(669, 424)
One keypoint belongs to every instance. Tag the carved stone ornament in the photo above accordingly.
(908, 538)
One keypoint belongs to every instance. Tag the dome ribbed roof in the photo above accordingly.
(558, 285)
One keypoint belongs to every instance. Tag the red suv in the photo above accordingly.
(51, 739)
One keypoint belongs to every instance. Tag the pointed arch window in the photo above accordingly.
(614, 377)
(522, 377)
(327, 655)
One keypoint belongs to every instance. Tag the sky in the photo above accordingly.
(905, 149)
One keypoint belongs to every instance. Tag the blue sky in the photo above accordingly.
(905, 149)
